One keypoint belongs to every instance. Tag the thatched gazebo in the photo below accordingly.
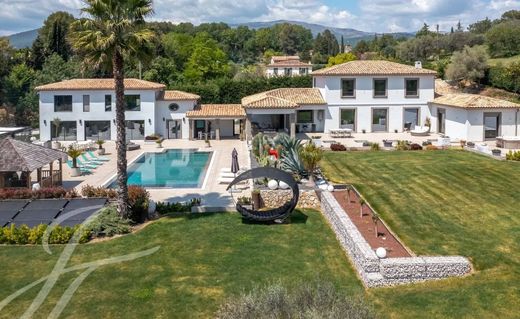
(18, 160)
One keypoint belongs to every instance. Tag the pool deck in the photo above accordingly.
(212, 193)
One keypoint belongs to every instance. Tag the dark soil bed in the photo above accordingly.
(366, 226)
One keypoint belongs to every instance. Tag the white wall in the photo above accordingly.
(295, 71)
(97, 111)
(162, 111)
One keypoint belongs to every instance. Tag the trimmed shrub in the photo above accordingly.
(91, 191)
(168, 208)
(138, 200)
(43, 193)
(23, 235)
(307, 300)
(337, 147)
(415, 147)
(513, 156)
(402, 146)
(375, 147)
(108, 223)
(431, 147)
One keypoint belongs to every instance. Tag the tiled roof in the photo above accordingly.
(172, 95)
(18, 156)
(373, 67)
(284, 98)
(99, 84)
(217, 111)
(278, 58)
(289, 63)
(473, 101)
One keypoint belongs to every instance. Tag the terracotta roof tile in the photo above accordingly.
(217, 111)
(473, 101)
(284, 98)
(99, 84)
(173, 95)
(373, 67)
(289, 63)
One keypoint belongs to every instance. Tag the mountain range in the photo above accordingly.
(350, 36)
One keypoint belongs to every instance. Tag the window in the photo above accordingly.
(314, 82)
(275, 70)
(65, 131)
(86, 103)
(63, 103)
(379, 120)
(287, 71)
(348, 119)
(132, 103)
(303, 71)
(348, 87)
(108, 103)
(304, 117)
(173, 107)
(97, 130)
(411, 87)
(380, 86)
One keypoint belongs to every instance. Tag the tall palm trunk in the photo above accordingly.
(122, 198)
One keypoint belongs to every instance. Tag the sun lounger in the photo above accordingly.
(98, 158)
(86, 164)
(83, 169)
(91, 161)
(420, 131)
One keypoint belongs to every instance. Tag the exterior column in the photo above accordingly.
(61, 171)
(28, 179)
(39, 176)
(248, 132)
(292, 121)
(217, 129)
(50, 173)
(190, 130)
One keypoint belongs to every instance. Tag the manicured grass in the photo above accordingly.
(444, 203)
(201, 261)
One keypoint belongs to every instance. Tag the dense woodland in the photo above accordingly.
(223, 64)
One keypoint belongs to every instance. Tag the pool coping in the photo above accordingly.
(207, 169)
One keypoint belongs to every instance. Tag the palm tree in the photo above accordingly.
(112, 31)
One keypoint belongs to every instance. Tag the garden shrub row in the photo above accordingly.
(505, 77)
(164, 208)
(513, 156)
(43, 193)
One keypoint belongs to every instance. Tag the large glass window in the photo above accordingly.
(134, 130)
(66, 131)
(97, 130)
(348, 119)
(379, 120)
(86, 103)
(287, 71)
(380, 87)
(108, 103)
(275, 70)
(63, 103)
(304, 117)
(411, 87)
(348, 87)
(411, 118)
(132, 102)
(303, 71)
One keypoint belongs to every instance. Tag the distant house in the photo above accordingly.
(287, 65)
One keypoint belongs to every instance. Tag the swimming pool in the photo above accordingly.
(174, 168)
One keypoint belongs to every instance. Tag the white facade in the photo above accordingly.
(273, 71)
(474, 124)
(363, 102)
(152, 118)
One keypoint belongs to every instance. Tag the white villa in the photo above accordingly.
(287, 65)
(361, 96)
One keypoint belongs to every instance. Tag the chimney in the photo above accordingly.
(418, 64)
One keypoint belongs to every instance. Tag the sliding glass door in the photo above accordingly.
(491, 125)
(97, 130)
(348, 119)
(379, 120)
(411, 118)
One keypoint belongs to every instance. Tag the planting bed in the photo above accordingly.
(366, 226)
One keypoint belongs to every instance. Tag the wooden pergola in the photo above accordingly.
(20, 159)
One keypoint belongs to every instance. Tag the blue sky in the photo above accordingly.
(365, 15)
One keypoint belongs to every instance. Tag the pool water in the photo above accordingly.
(175, 168)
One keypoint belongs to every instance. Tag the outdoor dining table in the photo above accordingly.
(339, 133)
(206, 135)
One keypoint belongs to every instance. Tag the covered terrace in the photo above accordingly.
(216, 121)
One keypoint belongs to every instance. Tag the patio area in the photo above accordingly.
(357, 139)
(212, 193)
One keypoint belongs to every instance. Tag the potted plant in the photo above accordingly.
(316, 139)
(496, 152)
(101, 150)
(364, 131)
(428, 122)
(462, 143)
(56, 144)
(255, 198)
(208, 143)
(387, 143)
(159, 142)
(361, 204)
(74, 153)
(396, 131)
(375, 219)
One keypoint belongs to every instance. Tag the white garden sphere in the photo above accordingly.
(381, 252)
(330, 188)
(272, 184)
(283, 185)
(323, 187)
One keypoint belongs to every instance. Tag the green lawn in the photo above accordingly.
(504, 61)
(201, 262)
(445, 203)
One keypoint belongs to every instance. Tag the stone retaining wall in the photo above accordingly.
(278, 197)
(376, 272)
